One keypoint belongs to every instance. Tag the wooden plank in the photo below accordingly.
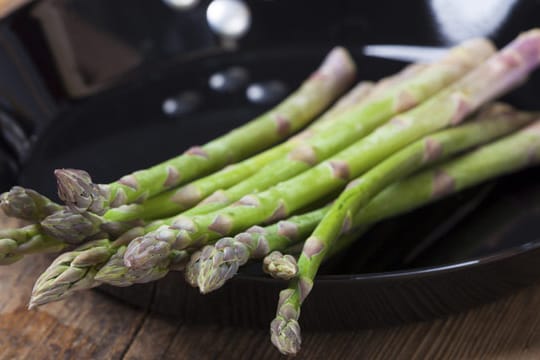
(508, 329)
(96, 326)
(154, 338)
(89, 326)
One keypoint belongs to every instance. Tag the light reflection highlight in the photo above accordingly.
(459, 20)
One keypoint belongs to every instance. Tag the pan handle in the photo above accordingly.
(13, 136)
(9, 168)
(25, 99)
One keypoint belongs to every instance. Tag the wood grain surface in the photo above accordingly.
(95, 326)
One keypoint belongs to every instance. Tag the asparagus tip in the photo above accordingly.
(115, 272)
(280, 266)
(22, 203)
(149, 250)
(220, 262)
(339, 62)
(71, 226)
(285, 335)
(76, 189)
(192, 269)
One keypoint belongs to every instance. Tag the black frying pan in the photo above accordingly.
(466, 250)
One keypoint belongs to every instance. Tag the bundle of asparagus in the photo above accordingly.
(382, 149)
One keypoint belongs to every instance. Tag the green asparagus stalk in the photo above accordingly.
(220, 262)
(223, 259)
(74, 227)
(322, 88)
(15, 243)
(357, 122)
(495, 76)
(506, 155)
(260, 241)
(27, 204)
(178, 200)
(20, 235)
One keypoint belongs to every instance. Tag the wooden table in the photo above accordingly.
(94, 326)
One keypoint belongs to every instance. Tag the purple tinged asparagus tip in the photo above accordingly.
(70, 226)
(285, 335)
(220, 262)
(149, 250)
(26, 204)
(115, 273)
(76, 189)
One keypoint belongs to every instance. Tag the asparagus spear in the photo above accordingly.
(75, 270)
(324, 86)
(70, 272)
(177, 200)
(223, 259)
(73, 227)
(27, 204)
(15, 243)
(495, 76)
(280, 266)
(220, 262)
(506, 155)
(359, 121)
(57, 221)
(83, 268)
(115, 273)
